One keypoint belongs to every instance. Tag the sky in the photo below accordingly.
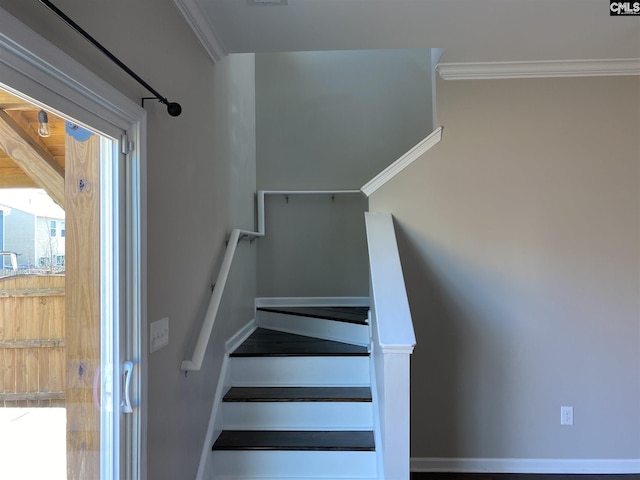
(31, 200)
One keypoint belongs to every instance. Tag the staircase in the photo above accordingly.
(299, 403)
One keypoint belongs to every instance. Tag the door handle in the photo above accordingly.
(127, 371)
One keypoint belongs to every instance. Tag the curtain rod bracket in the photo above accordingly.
(174, 109)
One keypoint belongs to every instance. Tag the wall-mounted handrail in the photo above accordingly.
(214, 303)
(216, 296)
(262, 193)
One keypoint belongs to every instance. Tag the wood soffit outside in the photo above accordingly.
(25, 116)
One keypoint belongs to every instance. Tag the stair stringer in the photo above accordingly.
(224, 382)
(375, 404)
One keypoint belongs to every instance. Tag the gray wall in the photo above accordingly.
(520, 237)
(194, 162)
(336, 119)
(215, 173)
(330, 120)
(314, 246)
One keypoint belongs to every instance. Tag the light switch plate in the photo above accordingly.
(159, 334)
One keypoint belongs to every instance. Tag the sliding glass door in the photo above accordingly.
(94, 174)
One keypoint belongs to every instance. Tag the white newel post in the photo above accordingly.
(396, 416)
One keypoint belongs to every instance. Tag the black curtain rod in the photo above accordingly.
(174, 109)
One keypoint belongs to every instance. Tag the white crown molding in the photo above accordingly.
(195, 17)
(526, 465)
(540, 69)
(403, 162)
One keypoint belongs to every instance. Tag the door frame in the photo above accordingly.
(50, 77)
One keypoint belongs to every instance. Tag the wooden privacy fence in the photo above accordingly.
(32, 341)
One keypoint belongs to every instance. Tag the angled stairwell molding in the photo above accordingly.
(403, 162)
(393, 340)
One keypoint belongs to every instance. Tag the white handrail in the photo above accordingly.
(392, 343)
(214, 304)
(389, 294)
(218, 289)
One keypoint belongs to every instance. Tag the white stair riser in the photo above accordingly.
(297, 415)
(312, 302)
(293, 464)
(299, 371)
(315, 327)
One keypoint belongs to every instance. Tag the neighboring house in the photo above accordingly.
(19, 230)
(34, 228)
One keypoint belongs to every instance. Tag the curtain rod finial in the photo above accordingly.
(174, 109)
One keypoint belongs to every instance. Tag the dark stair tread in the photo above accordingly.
(298, 394)
(357, 315)
(272, 343)
(295, 440)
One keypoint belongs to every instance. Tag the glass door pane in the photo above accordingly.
(77, 400)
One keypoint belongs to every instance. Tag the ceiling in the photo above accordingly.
(467, 30)
(22, 118)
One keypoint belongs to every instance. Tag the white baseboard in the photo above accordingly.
(525, 465)
(240, 336)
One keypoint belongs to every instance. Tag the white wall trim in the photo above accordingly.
(312, 302)
(525, 465)
(403, 162)
(213, 430)
(539, 69)
(196, 19)
(240, 336)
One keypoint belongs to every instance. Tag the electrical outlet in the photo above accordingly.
(566, 415)
(159, 334)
